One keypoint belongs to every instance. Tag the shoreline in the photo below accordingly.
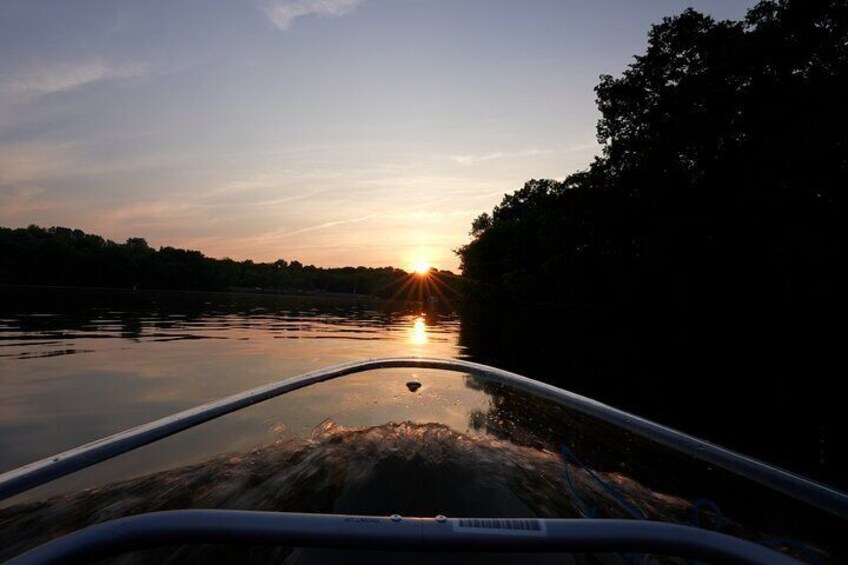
(233, 291)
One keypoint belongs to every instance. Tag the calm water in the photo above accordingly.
(78, 365)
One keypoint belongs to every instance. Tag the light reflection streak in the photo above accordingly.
(418, 332)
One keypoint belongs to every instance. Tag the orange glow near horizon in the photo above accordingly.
(420, 266)
(425, 285)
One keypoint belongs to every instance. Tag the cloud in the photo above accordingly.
(40, 162)
(283, 12)
(19, 202)
(148, 212)
(27, 163)
(473, 159)
(326, 225)
(65, 76)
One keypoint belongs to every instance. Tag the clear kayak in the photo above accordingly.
(537, 475)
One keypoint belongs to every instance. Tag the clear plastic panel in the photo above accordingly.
(416, 443)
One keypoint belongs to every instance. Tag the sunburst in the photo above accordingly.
(420, 267)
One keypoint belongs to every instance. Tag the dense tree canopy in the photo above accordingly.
(62, 256)
(723, 174)
(699, 259)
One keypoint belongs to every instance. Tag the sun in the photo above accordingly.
(425, 284)
(420, 266)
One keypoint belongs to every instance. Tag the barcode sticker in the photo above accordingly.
(502, 526)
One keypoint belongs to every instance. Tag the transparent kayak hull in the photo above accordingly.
(534, 472)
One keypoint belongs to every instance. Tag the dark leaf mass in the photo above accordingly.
(698, 262)
(65, 257)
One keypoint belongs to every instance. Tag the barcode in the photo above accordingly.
(509, 524)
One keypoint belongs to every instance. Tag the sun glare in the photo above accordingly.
(424, 283)
(418, 333)
(421, 267)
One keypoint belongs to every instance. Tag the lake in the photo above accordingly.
(77, 365)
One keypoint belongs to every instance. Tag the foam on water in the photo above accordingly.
(405, 468)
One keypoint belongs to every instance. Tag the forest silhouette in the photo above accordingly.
(70, 257)
(699, 260)
(724, 168)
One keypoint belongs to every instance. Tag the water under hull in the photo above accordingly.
(428, 469)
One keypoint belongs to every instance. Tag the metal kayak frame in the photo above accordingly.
(572, 535)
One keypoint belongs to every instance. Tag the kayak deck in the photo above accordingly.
(566, 458)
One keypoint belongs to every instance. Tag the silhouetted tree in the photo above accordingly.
(710, 232)
(61, 256)
(724, 166)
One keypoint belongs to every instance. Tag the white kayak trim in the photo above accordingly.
(790, 484)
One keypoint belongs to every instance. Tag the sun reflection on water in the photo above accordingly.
(418, 332)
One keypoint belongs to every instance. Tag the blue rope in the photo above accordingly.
(572, 490)
(706, 502)
(631, 509)
(630, 558)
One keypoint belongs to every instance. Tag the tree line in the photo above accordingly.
(694, 273)
(64, 256)
(723, 174)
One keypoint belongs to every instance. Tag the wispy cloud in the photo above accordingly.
(473, 159)
(19, 202)
(283, 13)
(405, 213)
(332, 224)
(149, 212)
(29, 163)
(65, 76)
(39, 162)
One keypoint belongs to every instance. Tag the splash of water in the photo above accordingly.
(406, 468)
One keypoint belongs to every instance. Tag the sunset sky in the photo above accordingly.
(334, 132)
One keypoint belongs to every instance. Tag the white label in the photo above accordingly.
(501, 526)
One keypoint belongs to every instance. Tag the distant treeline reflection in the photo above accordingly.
(63, 256)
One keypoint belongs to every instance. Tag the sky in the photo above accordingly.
(333, 132)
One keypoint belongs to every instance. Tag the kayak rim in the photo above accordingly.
(396, 533)
(793, 485)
